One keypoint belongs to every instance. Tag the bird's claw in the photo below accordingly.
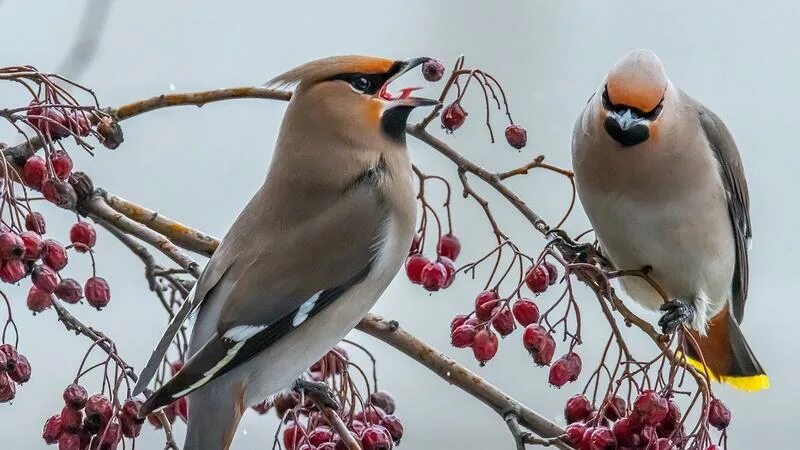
(318, 391)
(578, 251)
(676, 313)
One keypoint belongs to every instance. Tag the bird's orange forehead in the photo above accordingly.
(635, 93)
(638, 80)
(366, 64)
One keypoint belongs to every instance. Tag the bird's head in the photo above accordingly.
(633, 98)
(350, 94)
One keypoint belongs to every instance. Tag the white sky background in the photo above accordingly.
(201, 165)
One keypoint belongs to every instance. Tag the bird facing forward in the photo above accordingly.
(310, 253)
(662, 182)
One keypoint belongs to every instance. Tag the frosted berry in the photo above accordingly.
(370, 414)
(62, 164)
(52, 430)
(54, 255)
(434, 276)
(99, 406)
(8, 389)
(463, 336)
(651, 407)
(525, 311)
(83, 236)
(503, 321)
(516, 136)
(603, 439)
(575, 432)
(485, 303)
(376, 437)
(484, 346)
(38, 300)
(719, 416)
(578, 408)
(35, 222)
(565, 369)
(449, 246)
(75, 396)
(616, 407)
(34, 172)
(539, 343)
(109, 438)
(450, 269)
(537, 279)
(393, 426)
(45, 279)
(414, 265)
(292, 436)
(626, 430)
(71, 419)
(69, 441)
(33, 244)
(97, 292)
(69, 290)
(12, 270)
(453, 116)
(10, 352)
(457, 321)
(383, 400)
(11, 246)
(432, 70)
(319, 436)
(552, 272)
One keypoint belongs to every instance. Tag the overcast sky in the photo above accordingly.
(201, 166)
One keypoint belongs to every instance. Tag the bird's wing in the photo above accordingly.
(301, 272)
(733, 177)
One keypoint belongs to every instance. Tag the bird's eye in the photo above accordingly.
(361, 84)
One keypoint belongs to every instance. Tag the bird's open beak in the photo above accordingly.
(404, 98)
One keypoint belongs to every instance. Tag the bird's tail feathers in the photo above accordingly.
(724, 355)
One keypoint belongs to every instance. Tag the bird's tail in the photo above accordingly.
(727, 357)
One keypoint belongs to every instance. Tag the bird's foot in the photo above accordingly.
(318, 391)
(676, 313)
(576, 251)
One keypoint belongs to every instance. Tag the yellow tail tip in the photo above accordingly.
(751, 383)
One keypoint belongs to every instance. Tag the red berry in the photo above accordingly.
(376, 437)
(62, 164)
(109, 438)
(449, 246)
(539, 343)
(69, 441)
(83, 236)
(33, 244)
(575, 432)
(414, 265)
(3, 362)
(69, 291)
(292, 436)
(11, 355)
(71, 419)
(320, 435)
(97, 292)
(54, 255)
(11, 246)
(79, 123)
(38, 300)
(713, 447)
(626, 430)
(453, 116)
(110, 133)
(503, 321)
(75, 396)
(59, 193)
(552, 272)
(457, 321)
(450, 269)
(565, 369)
(525, 311)
(21, 372)
(34, 172)
(673, 415)
(383, 400)
(45, 279)
(432, 70)
(463, 336)
(485, 303)
(393, 426)
(586, 440)
(719, 416)
(537, 279)
(578, 408)
(131, 427)
(99, 407)
(52, 430)
(652, 407)
(35, 222)
(434, 275)
(182, 409)
(484, 346)
(8, 390)
(616, 407)
(131, 408)
(516, 136)
(371, 414)
(415, 242)
(603, 439)
(12, 270)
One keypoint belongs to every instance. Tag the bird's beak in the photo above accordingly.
(626, 119)
(405, 98)
(627, 127)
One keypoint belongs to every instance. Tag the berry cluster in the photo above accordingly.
(653, 423)
(438, 274)
(91, 422)
(14, 369)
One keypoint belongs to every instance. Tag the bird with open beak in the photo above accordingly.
(310, 253)
(662, 182)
